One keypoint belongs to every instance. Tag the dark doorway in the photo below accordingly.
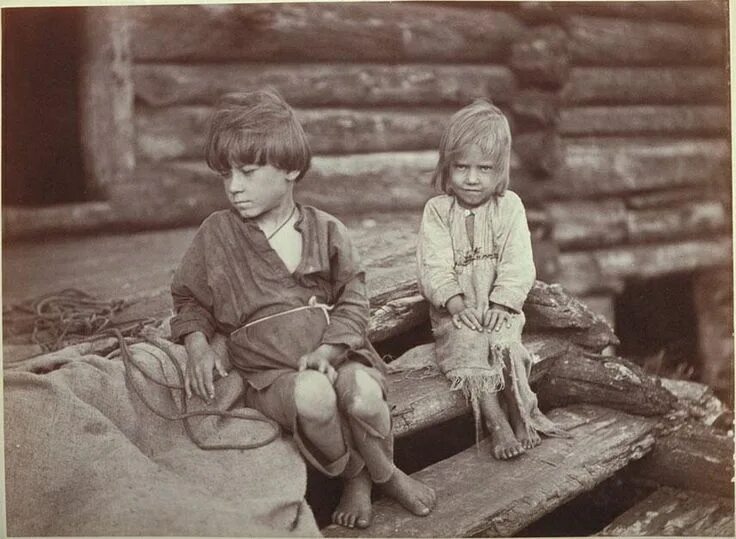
(657, 324)
(42, 157)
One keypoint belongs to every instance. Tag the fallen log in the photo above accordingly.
(326, 85)
(602, 41)
(698, 120)
(539, 57)
(672, 512)
(312, 32)
(646, 85)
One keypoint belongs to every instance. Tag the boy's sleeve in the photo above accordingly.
(435, 260)
(349, 318)
(515, 272)
(192, 296)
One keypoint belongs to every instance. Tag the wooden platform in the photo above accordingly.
(683, 513)
(478, 494)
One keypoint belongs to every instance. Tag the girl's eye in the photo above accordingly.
(486, 168)
(459, 166)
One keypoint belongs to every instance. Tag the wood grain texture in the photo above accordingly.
(544, 478)
(675, 512)
(607, 41)
(646, 85)
(326, 84)
(311, 32)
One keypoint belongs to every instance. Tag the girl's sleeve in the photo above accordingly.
(435, 260)
(515, 271)
(191, 294)
(349, 317)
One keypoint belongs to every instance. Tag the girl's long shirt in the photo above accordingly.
(442, 251)
(230, 276)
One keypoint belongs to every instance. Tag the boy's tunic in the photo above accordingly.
(231, 276)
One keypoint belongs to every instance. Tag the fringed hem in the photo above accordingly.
(475, 385)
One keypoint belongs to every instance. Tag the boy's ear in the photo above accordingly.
(292, 175)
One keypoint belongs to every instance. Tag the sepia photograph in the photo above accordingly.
(367, 269)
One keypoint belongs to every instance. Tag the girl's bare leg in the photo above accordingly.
(526, 438)
(504, 444)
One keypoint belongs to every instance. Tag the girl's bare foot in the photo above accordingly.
(527, 439)
(414, 495)
(354, 509)
(504, 444)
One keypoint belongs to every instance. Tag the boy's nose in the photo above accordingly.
(236, 181)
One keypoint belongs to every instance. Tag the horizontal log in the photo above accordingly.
(608, 166)
(602, 41)
(539, 57)
(699, 403)
(605, 269)
(674, 512)
(644, 120)
(692, 456)
(180, 132)
(326, 85)
(312, 32)
(646, 85)
(688, 11)
(663, 199)
(580, 224)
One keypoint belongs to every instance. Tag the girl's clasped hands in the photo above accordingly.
(484, 319)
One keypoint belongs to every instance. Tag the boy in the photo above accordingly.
(282, 280)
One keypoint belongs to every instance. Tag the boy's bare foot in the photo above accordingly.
(527, 440)
(414, 495)
(504, 444)
(354, 508)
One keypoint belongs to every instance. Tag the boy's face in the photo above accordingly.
(257, 189)
(473, 177)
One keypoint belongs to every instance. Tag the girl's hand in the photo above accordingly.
(469, 317)
(320, 360)
(198, 375)
(496, 317)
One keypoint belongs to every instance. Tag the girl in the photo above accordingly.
(476, 268)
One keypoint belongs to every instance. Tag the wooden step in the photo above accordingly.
(477, 494)
(669, 511)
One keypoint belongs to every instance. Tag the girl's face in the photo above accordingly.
(255, 190)
(473, 177)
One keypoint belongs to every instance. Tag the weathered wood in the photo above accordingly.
(602, 41)
(580, 224)
(698, 402)
(644, 120)
(352, 32)
(666, 198)
(326, 85)
(106, 99)
(605, 269)
(603, 442)
(539, 151)
(539, 57)
(692, 456)
(646, 85)
(180, 132)
(24, 223)
(675, 512)
(534, 109)
(606, 381)
(598, 166)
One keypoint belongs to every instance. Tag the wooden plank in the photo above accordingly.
(352, 32)
(607, 166)
(603, 41)
(106, 99)
(180, 132)
(540, 58)
(675, 512)
(603, 442)
(644, 120)
(687, 11)
(646, 85)
(605, 269)
(326, 85)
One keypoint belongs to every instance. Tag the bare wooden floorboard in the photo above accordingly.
(670, 511)
(477, 494)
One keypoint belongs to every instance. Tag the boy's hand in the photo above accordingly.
(461, 314)
(496, 317)
(321, 360)
(202, 360)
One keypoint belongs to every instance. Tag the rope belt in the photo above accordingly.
(311, 304)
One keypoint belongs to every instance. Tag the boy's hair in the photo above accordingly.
(256, 128)
(480, 124)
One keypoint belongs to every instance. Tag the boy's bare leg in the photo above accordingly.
(504, 444)
(527, 439)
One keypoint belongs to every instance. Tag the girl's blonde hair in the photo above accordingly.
(480, 124)
(256, 128)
